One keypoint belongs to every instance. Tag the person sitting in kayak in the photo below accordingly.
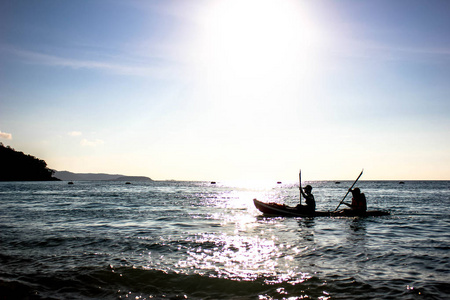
(359, 203)
(310, 206)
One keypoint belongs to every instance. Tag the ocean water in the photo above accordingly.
(196, 240)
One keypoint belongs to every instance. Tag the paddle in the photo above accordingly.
(300, 182)
(349, 191)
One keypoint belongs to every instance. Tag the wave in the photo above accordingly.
(139, 283)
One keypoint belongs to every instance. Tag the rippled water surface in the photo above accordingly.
(195, 240)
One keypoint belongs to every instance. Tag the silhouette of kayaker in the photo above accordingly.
(310, 206)
(359, 203)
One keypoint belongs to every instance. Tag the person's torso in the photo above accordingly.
(310, 202)
(359, 202)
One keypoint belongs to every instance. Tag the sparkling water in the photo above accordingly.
(197, 240)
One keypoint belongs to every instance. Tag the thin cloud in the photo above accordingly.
(141, 67)
(94, 143)
(370, 49)
(74, 133)
(6, 136)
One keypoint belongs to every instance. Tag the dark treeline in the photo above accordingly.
(18, 166)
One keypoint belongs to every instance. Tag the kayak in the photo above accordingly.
(275, 209)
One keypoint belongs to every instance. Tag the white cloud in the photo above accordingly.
(4, 135)
(94, 143)
(74, 133)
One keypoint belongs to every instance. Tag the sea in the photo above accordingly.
(206, 240)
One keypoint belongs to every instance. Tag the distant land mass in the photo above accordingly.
(18, 166)
(69, 176)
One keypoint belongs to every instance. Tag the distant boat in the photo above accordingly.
(213, 182)
(70, 182)
(278, 182)
(337, 182)
(127, 182)
(401, 182)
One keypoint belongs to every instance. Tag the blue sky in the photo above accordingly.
(224, 90)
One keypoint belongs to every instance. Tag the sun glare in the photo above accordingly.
(255, 55)
(253, 63)
(249, 43)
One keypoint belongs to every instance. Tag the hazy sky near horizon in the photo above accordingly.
(223, 90)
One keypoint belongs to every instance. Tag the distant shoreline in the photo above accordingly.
(70, 176)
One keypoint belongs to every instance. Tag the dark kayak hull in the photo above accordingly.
(275, 209)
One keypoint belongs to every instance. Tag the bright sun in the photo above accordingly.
(255, 52)
(252, 65)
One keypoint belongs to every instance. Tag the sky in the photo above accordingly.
(229, 90)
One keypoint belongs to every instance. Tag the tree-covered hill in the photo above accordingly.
(17, 166)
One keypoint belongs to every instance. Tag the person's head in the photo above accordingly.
(356, 191)
(307, 189)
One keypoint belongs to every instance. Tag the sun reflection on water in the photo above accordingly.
(241, 258)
